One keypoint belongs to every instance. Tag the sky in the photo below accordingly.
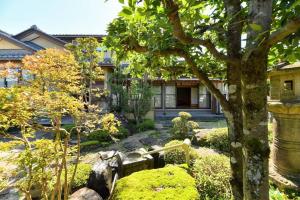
(58, 16)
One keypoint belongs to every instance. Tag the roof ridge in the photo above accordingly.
(3, 32)
(71, 34)
(35, 28)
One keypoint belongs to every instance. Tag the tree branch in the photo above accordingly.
(208, 83)
(277, 36)
(179, 33)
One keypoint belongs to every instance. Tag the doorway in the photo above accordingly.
(183, 97)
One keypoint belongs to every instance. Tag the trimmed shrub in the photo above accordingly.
(177, 156)
(122, 133)
(145, 125)
(6, 146)
(182, 126)
(212, 173)
(87, 145)
(171, 182)
(82, 174)
(99, 135)
(217, 139)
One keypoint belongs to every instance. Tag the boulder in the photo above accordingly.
(85, 194)
(100, 178)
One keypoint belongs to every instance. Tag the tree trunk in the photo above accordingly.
(235, 127)
(256, 147)
(254, 96)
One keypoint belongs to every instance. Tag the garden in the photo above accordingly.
(74, 130)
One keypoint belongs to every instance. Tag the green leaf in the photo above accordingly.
(294, 5)
(200, 5)
(255, 27)
(121, 1)
(126, 11)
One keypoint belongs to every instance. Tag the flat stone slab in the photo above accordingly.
(148, 141)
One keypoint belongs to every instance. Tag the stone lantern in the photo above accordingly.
(284, 104)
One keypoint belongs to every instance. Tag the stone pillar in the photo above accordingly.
(286, 145)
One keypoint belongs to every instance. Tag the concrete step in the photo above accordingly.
(203, 115)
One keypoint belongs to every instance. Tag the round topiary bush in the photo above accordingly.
(212, 173)
(177, 156)
(182, 126)
(217, 139)
(171, 182)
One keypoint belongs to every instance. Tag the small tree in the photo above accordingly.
(118, 93)
(130, 95)
(140, 96)
(88, 56)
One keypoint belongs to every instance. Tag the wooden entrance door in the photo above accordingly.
(183, 97)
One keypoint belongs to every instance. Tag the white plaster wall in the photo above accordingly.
(46, 43)
(4, 44)
(194, 95)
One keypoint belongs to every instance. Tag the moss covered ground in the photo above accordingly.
(171, 182)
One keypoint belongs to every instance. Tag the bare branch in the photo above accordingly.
(179, 33)
(277, 36)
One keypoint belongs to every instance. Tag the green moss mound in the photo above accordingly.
(171, 182)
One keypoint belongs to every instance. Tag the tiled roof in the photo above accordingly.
(34, 28)
(3, 32)
(34, 45)
(70, 37)
(16, 54)
(78, 35)
(290, 66)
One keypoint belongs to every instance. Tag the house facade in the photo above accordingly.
(170, 97)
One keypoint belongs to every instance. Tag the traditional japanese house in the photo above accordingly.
(170, 97)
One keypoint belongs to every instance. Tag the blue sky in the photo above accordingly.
(58, 16)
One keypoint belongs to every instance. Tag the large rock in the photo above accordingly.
(85, 194)
(100, 178)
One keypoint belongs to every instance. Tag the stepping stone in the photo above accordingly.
(148, 141)
(130, 145)
(158, 126)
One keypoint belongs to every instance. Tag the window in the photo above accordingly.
(288, 85)
(170, 96)
(156, 89)
(204, 97)
(12, 78)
